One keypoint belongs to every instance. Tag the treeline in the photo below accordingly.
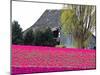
(42, 37)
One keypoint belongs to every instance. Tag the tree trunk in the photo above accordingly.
(79, 44)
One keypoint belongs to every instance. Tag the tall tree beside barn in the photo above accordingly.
(80, 21)
(17, 37)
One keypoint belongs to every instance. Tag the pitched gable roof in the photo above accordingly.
(50, 18)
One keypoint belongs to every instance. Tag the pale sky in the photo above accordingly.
(28, 13)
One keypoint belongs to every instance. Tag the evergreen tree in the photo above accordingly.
(17, 37)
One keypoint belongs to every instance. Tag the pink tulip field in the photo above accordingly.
(36, 59)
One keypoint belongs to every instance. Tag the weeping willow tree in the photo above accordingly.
(80, 21)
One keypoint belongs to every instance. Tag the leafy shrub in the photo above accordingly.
(61, 46)
(44, 38)
(29, 38)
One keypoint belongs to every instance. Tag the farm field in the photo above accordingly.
(36, 59)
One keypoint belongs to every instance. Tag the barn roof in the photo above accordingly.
(50, 18)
